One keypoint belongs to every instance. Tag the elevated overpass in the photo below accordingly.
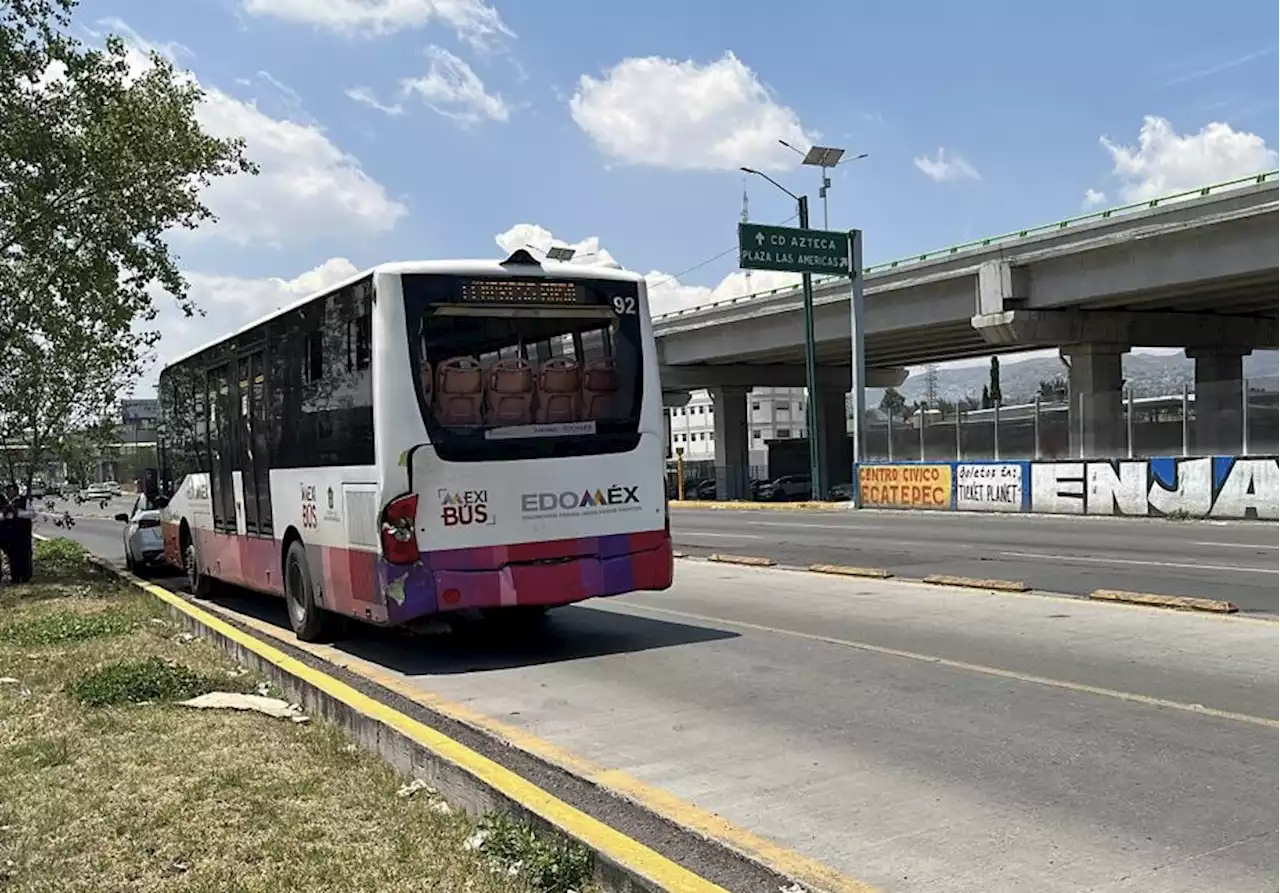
(1197, 270)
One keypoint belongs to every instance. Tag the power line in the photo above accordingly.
(710, 260)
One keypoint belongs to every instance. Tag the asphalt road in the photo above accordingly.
(1232, 560)
(918, 739)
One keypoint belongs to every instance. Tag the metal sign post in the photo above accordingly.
(857, 360)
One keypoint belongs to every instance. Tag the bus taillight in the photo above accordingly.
(399, 542)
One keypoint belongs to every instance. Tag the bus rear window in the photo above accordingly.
(501, 375)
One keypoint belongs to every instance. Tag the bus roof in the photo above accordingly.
(445, 267)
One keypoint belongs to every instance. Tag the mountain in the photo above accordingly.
(1150, 375)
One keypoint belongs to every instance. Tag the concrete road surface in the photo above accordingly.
(918, 739)
(1233, 560)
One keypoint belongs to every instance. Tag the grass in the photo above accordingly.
(109, 785)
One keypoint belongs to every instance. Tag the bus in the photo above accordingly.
(426, 441)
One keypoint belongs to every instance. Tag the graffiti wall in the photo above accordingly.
(1207, 487)
(911, 486)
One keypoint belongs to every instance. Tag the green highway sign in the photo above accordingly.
(792, 250)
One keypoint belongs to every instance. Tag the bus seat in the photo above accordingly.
(599, 389)
(558, 391)
(459, 392)
(510, 392)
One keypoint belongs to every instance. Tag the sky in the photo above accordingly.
(416, 129)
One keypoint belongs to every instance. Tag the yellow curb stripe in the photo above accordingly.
(625, 851)
(1177, 602)
(808, 872)
(848, 570)
(975, 583)
(748, 560)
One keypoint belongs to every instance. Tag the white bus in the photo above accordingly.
(426, 440)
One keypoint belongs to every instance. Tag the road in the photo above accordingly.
(1233, 560)
(918, 739)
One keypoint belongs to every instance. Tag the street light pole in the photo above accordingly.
(817, 485)
(825, 158)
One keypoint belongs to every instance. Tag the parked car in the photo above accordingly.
(112, 487)
(143, 541)
(789, 486)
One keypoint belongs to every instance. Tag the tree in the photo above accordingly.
(993, 389)
(986, 397)
(98, 164)
(892, 403)
(1054, 389)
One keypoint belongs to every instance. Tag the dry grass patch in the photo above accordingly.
(146, 795)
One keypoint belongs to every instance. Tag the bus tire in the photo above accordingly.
(201, 584)
(309, 621)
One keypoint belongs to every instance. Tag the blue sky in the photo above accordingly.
(469, 118)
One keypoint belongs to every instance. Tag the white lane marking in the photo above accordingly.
(817, 526)
(729, 536)
(984, 669)
(1087, 560)
(1237, 545)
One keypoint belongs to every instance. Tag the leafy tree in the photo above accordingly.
(1054, 389)
(986, 397)
(98, 164)
(892, 403)
(993, 388)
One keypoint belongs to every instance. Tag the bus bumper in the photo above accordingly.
(444, 582)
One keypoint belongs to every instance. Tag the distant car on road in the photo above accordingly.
(95, 493)
(143, 542)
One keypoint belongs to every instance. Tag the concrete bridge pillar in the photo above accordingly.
(732, 435)
(1219, 413)
(1096, 410)
(835, 452)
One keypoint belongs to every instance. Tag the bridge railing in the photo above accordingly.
(989, 241)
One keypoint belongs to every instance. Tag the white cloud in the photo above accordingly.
(475, 21)
(306, 187)
(1165, 161)
(530, 235)
(686, 116)
(450, 88)
(230, 302)
(1093, 198)
(666, 293)
(944, 167)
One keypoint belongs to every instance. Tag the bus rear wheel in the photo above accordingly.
(201, 585)
(309, 621)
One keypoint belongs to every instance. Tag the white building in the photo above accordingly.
(775, 414)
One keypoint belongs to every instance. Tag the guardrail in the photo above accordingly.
(979, 244)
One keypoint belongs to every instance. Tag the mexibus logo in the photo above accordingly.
(464, 507)
(569, 500)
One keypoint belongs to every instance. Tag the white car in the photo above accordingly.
(143, 540)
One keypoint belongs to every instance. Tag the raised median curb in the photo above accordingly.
(977, 583)
(1157, 600)
(760, 506)
(464, 777)
(747, 560)
(847, 570)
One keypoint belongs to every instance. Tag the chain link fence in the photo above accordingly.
(1149, 427)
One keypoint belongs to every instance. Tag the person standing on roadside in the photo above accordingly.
(20, 538)
(6, 525)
